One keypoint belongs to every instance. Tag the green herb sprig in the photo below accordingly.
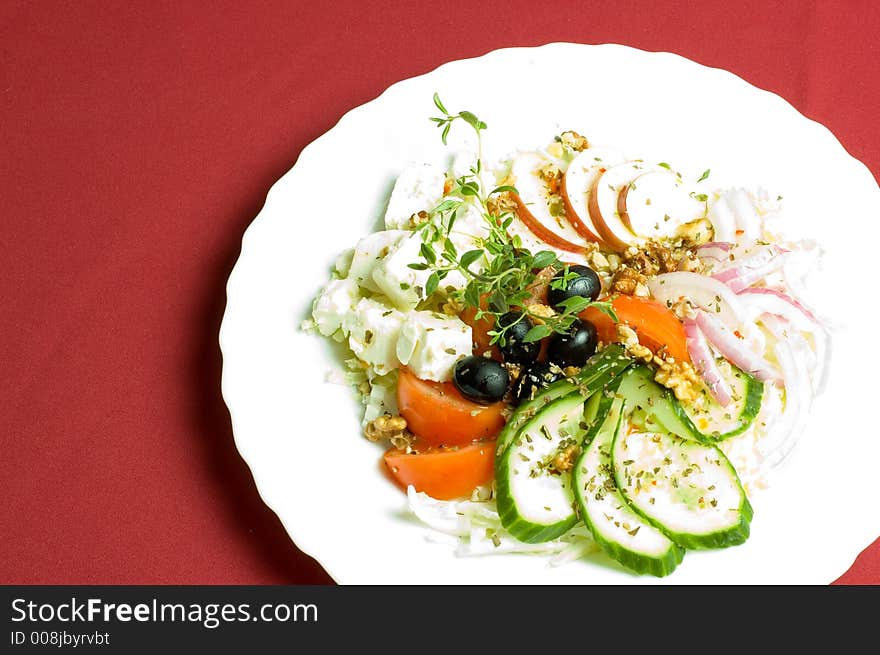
(510, 271)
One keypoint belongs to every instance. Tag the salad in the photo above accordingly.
(569, 349)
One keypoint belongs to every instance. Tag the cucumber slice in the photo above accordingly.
(686, 419)
(599, 371)
(594, 412)
(716, 422)
(534, 500)
(657, 402)
(688, 490)
(616, 527)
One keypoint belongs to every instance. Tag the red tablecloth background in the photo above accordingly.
(137, 142)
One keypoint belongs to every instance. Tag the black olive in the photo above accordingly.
(515, 349)
(533, 379)
(586, 285)
(481, 380)
(575, 346)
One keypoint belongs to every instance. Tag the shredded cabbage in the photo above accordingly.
(474, 527)
(382, 398)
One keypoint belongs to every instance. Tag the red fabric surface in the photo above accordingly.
(138, 142)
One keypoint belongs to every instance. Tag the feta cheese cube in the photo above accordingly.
(336, 301)
(373, 330)
(404, 286)
(393, 277)
(429, 344)
(418, 188)
(369, 252)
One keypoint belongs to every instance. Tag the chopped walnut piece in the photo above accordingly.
(540, 310)
(691, 263)
(417, 219)
(630, 340)
(627, 335)
(573, 140)
(549, 172)
(387, 427)
(682, 309)
(641, 352)
(599, 261)
(501, 203)
(402, 441)
(626, 280)
(641, 263)
(652, 258)
(513, 371)
(537, 288)
(681, 377)
(563, 460)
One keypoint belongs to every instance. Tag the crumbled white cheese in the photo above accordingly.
(403, 286)
(429, 344)
(335, 302)
(419, 188)
(373, 332)
(371, 250)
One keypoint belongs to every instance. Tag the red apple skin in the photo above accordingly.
(621, 206)
(543, 233)
(573, 218)
(610, 239)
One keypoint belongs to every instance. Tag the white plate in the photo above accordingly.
(301, 435)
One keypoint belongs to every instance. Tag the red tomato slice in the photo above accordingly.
(444, 473)
(655, 324)
(440, 416)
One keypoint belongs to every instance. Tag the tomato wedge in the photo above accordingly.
(480, 330)
(440, 416)
(655, 324)
(444, 473)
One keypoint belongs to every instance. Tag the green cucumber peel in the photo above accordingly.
(600, 370)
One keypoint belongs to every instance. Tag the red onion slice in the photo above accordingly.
(702, 291)
(739, 278)
(796, 379)
(720, 245)
(778, 320)
(751, 267)
(736, 350)
(773, 301)
(704, 361)
(716, 250)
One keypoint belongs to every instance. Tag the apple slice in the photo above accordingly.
(533, 244)
(576, 185)
(602, 203)
(657, 203)
(533, 205)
